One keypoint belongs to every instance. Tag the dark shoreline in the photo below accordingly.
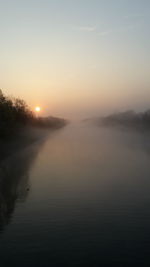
(25, 137)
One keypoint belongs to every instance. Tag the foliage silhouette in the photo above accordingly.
(14, 113)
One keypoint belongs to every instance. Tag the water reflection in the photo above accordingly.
(89, 204)
(14, 182)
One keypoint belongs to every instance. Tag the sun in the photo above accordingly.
(37, 109)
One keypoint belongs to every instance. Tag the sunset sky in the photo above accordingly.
(76, 58)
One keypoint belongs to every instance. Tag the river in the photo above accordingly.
(79, 198)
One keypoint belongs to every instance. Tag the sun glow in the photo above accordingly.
(37, 109)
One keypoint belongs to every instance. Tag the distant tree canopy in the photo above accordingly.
(128, 118)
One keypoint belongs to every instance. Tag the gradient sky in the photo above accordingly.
(76, 57)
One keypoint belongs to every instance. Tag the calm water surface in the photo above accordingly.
(81, 198)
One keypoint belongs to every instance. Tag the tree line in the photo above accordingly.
(15, 113)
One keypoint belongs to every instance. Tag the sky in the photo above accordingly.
(76, 58)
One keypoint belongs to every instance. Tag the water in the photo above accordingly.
(81, 198)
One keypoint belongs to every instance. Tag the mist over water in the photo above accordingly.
(81, 198)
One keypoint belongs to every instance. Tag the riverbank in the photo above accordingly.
(25, 137)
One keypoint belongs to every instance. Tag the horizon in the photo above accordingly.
(76, 59)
